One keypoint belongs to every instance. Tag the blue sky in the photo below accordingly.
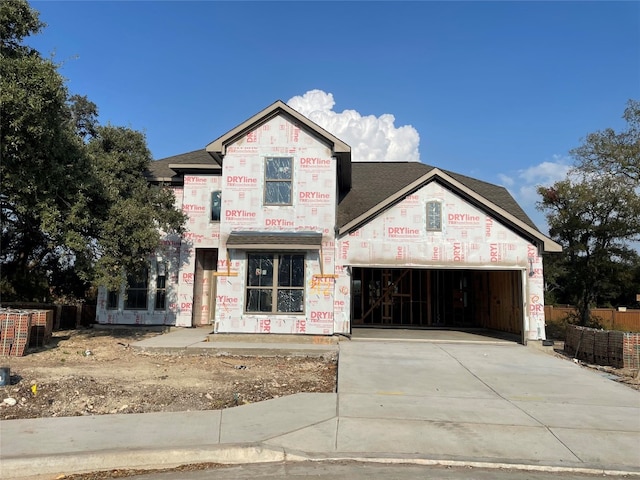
(500, 91)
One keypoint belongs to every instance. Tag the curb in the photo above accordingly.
(143, 459)
(149, 459)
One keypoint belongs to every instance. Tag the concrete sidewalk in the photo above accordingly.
(475, 403)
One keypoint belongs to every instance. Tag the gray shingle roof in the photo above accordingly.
(159, 169)
(281, 239)
(375, 182)
(495, 194)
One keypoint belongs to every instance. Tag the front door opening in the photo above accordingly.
(204, 289)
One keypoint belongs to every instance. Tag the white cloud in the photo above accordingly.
(543, 174)
(547, 173)
(506, 180)
(523, 184)
(371, 138)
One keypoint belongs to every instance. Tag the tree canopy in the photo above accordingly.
(76, 209)
(595, 215)
(614, 153)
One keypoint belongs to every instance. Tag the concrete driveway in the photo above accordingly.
(480, 401)
(483, 401)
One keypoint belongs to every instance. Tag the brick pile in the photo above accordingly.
(41, 327)
(6, 334)
(603, 347)
(20, 329)
(15, 328)
(631, 350)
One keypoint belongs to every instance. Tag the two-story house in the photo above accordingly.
(287, 235)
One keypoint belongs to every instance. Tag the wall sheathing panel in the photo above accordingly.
(312, 209)
(469, 239)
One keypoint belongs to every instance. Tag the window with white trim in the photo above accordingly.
(275, 283)
(278, 179)
(434, 216)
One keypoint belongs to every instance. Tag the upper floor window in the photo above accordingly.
(434, 216)
(275, 282)
(278, 180)
(216, 205)
(136, 291)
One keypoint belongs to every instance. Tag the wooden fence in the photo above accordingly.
(609, 318)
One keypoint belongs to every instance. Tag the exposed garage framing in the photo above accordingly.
(438, 298)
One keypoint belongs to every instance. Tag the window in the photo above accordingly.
(161, 287)
(112, 300)
(136, 292)
(278, 179)
(275, 283)
(434, 216)
(216, 205)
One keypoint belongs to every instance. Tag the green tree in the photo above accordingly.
(595, 215)
(132, 213)
(36, 145)
(66, 181)
(84, 115)
(614, 153)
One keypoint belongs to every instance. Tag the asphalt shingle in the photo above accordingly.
(160, 168)
(375, 182)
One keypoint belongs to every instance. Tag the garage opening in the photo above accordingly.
(414, 298)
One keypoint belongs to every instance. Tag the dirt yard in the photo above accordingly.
(96, 372)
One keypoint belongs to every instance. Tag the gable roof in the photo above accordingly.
(378, 186)
(340, 150)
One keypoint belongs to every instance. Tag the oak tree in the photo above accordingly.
(595, 215)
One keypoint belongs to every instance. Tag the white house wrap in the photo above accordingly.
(287, 235)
